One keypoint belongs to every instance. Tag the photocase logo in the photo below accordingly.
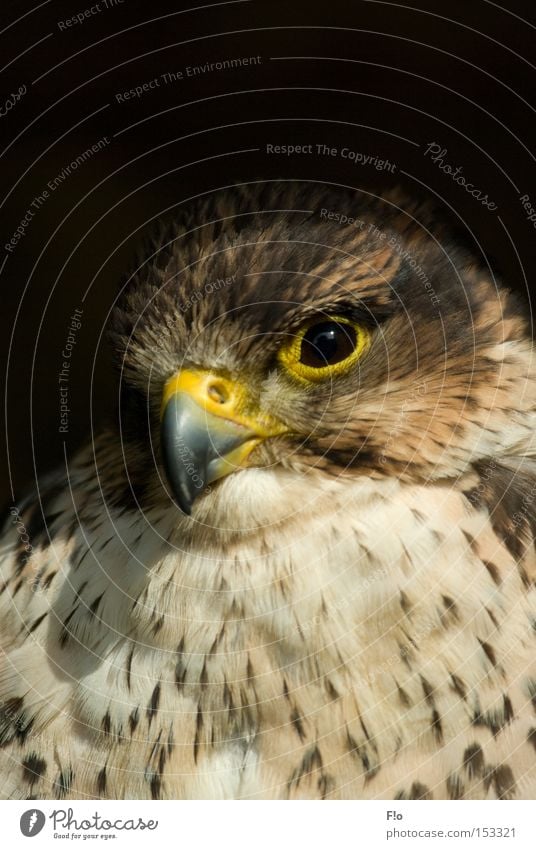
(32, 822)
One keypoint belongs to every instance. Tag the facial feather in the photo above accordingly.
(448, 367)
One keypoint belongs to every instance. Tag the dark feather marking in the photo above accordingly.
(63, 782)
(428, 690)
(404, 698)
(180, 674)
(420, 791)
(157, 626)
(65, 633)
(502, 779)
(493, 571)
(531, 738)
(325, 785)
(489, 652)
(488, 776)
(416, 791)
(13, 705)
(493, 618)
(455, 788)
(216, 642)
(473, 545)
(50, 518)
(404, 652)
(21, 559)
(128, 668)
(153, 704)
(94, 605)
(311, 762)
(495, 718)
(155, 783)
(451, 609)
(33, 767)
(227, 696)
(332, 690)
(297, 722)
(85, 554)
(170, 740)
(48, 580)
(198, 727)
(405, 603)
(133, 720)
(37, 580)
(473, 760)
(156, 746)
(37, 622)
(23, 727)
(508, 709)
(507, 493)
(531, 686)
(458, 686)
(437, 727)
(366, 733)
(137, 600)
(101, 781)
(14, 723)
(11, 713)
(106, 722)
(505, 785)
(371, 769)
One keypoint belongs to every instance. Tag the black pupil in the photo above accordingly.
(327, 343)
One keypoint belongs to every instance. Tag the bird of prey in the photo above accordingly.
(300, 562)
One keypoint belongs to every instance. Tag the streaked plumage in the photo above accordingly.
(352, 616)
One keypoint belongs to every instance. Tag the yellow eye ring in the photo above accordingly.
(324, 347)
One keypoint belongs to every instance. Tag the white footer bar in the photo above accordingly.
(270, 825)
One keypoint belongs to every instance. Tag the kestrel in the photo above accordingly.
(300, 563)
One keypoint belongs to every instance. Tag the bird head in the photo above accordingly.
(315, 330)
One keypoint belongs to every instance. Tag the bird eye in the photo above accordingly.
(327, 343)
(322, 349)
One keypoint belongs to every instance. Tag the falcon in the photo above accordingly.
(300, 562)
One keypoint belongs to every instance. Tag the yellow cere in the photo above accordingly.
(219, 397)
(290, 354)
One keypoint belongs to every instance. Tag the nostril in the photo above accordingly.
(217, 392)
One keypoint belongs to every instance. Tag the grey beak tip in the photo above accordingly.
(183, 498)
(193, 444)
(184, 465)
(185, 506)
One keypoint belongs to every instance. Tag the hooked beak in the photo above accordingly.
(209, 427)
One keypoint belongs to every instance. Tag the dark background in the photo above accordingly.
(382, 78)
